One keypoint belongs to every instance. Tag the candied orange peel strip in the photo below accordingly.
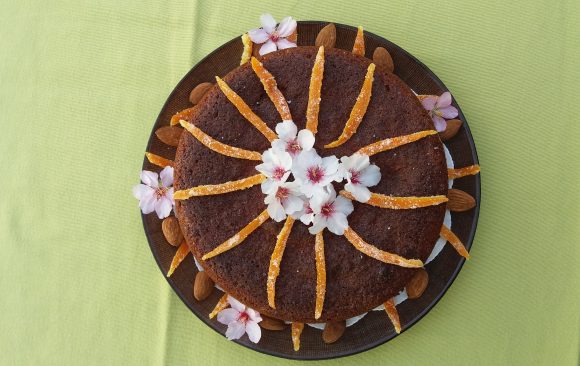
(247, 53)
(393, 142)
(239, 237)
(271, 88)
(463, 172)
(378, 254)
(399, 203)
(276, 259)
(185, 114)
(219, 306)
(448, 235)
(358, 110)
(245, 110)
(213, 189)
(393, 314)
(297, 329)
(220, 148)
(359, 42)
(320, 275)
(179, 256)
(158, 160)
(314, 92)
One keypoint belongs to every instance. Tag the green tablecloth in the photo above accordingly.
(81, 83)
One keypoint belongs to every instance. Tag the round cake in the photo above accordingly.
(355, 282)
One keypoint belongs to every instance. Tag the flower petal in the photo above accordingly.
(276, 211)
(267, 47)
(268, 22)
(236, 304)
(235, 330)
(286, 27)
(330, 165)
(306, 219)
(253, 315)
(228, 316)
(449, 112)
(440, 123)
(292, 204)
(443, 101)
(269, 186)
(306, 139)
(141, 191)
(337, 223)
(258, 35)
(319, 223)
(254, 331)
(150, 178)
(163, 207)
(147, 204)
(166, 176)
(371, 176)
(286, 130)
(360, 192)
(429, 102)
(343, 205)
(283, 43)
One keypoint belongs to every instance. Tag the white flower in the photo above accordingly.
(156, 194)
(314, 173)
(284, 201)
(330, 212)
(240, 319)
(360, 174)
(289, 141)
(276, 167)
(273, 37)
(305, 214)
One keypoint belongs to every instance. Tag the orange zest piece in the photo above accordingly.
(185, 114)
(271, 88)
(276, 259)
(359, 42)
(393, 314)
(213, 189)
(297, 329)
(245, 110)
(320, 275)
(314, 92)
(158, 160)
(393, 142)
(462, 172)
(221, 304)
(179, 256)
(399, 203)
(448, 235)
(358, 110)
(247, 53)
(239, 237)
(378, 254)
(227, 150)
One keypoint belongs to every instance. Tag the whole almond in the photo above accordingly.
(172, 231)
(333, 330)
(202, 286)
(382, 58)
(417, 284)
(199, 91)
(271, 323)
(326, 37)
(453, 126)
(169, 135)
(293, 37)
(459, 201)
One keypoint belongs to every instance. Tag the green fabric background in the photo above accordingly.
(81, 83)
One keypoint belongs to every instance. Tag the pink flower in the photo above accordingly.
(360, 174)
(314, 173)
(156, 194)
(276, 167)
(273, 37)
(440, 109)
(306, 215)
(330, 212)
(292, 141)
(284, 201)
(240, 319)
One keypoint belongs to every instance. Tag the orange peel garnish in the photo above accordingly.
(463, 172)
(245, 110)
(399, 203)
(393, 142)
(393, 314)
(186, 114)
(247, 53)
(179, 256)
(276, 259)
(219, 306)
(358, 110)
(297, 329)
(314, 92)
(448, 235)
(320, 275)
(359, 42)
(221, 148)
(271, 88)
(158, 160)
(378, 254)
(213, 189)
(239, 237)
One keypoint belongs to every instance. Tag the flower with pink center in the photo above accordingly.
(272, 36)
(360, 174)
(440, 109)
(305, 214)
(330, 212)
(314, 173)
(276, 167)
(284, 201)
(155, 193)
(240, 319)
(292, 141)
